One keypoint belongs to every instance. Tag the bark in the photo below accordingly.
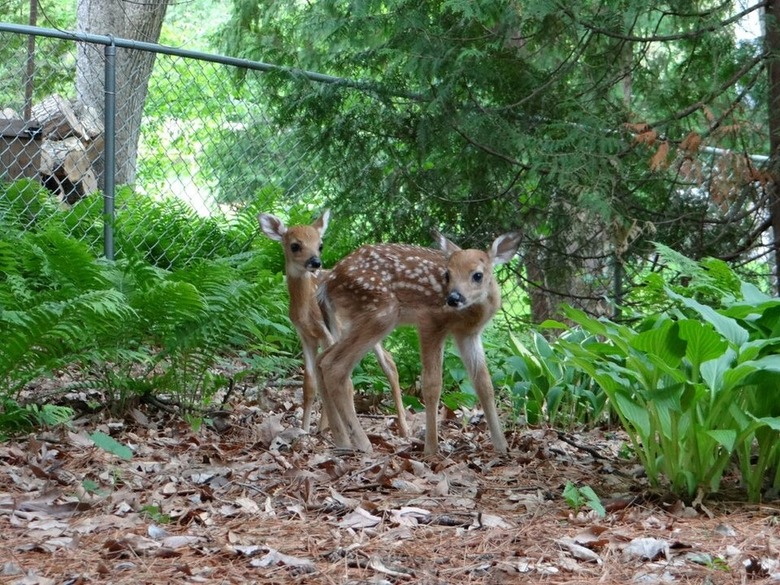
(139, 21)
(772, 43)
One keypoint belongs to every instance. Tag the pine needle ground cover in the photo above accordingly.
(257, 502)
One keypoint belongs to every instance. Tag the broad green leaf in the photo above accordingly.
(527, 360)
(704, 343)
(771, 320)
(111, 445)
(662, 341)
(712, 371)
(635, 414)
(752, 349)
(660, 368)
(752, 310)
(542, 346)
(609, 379)
(742, 419)
(734, 377)
(572, 496)
(773, 422)
(593, 501)
(585, 321)
(752, 295)
(728, 328)
(664, 403)
(724, 437)
(768, 362)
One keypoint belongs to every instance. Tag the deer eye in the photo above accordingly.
(477, 277)
(296, 247)
(320, 247)
(447, 276)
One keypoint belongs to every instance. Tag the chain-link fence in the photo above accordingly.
(197, 146)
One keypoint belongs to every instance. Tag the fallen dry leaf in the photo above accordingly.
(359, 518)
(302, 512)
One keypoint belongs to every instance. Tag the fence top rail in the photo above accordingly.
(110, 40)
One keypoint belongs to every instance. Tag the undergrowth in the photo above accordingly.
(177, 331)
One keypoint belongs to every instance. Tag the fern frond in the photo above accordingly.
(7, 257)
(44, 337)
(66, 262)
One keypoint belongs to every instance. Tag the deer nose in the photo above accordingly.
(314, 263)
(455, 299)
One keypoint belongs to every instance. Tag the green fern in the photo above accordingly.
(48, 336)
(26, 204)
(16, 419)
(136, 329)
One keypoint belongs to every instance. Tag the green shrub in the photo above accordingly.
(545, 387)
(133, 328)
(695, 386)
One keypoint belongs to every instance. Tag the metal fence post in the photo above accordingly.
(109, 150)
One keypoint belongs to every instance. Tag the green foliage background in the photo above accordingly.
(567, 121)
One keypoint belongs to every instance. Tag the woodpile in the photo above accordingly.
(71, 143)
(20, 148)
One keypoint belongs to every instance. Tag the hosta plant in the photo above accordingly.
(695, 387)
(545, 386)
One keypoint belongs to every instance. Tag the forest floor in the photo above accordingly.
(257, 501)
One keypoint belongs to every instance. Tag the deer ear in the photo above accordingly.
(505, 247)
(272, 226)
(446, 245)
(322, 222)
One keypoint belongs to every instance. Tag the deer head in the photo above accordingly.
(302, 244)
(468, 275)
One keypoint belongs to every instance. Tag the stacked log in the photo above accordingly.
(20, 147)
(72, 142)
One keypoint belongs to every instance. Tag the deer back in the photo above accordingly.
(413, 284)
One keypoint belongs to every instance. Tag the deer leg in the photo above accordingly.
(432, 355)
(387, 364)
(309, 383)
(335, 367)
(329, 408)
(473, 356)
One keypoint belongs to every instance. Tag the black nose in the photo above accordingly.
(455, 299)
(314, 263)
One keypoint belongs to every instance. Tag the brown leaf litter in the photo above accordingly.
(260, 502)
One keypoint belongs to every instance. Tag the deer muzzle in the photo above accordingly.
(313, 263)
(455, 299)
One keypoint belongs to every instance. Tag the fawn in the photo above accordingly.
(302, 246)
(442, 292)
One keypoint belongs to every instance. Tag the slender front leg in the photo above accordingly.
(329, 409)
(473, 355)
(309, 382)
(432, 354)
(391, 371)
(335, 367)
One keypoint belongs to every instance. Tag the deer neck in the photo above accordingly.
(302, 289)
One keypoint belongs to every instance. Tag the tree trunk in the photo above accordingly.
(139, 21)
(772, 44)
